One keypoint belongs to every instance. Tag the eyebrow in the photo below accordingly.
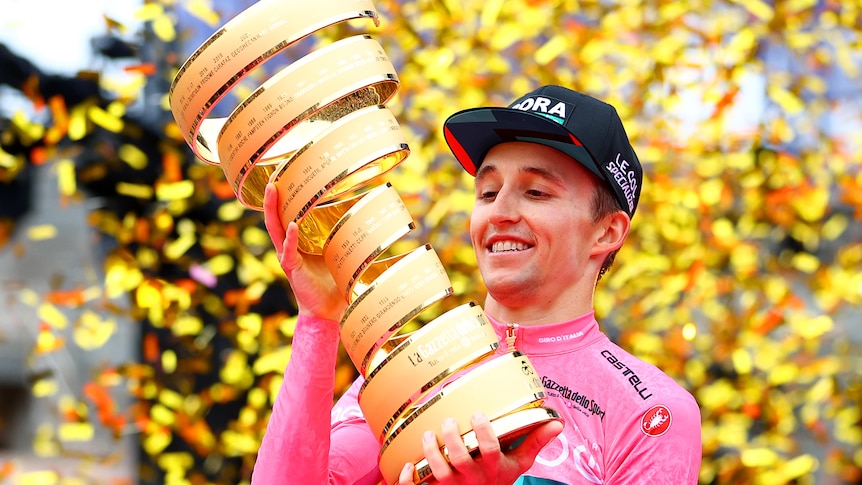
(540, 172)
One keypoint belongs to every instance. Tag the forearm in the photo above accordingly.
(295, 448)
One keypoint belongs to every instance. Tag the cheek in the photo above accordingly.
(475, 226)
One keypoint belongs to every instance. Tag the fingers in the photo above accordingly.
(459, 456)
(406, 476)
(489, 444)
(438, 464)
(284, 239)
(271, 218)
(290, 258)
(525, 454)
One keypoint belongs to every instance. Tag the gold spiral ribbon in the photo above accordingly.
(320, 131)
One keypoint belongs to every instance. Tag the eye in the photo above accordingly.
(537, 194)
(486, 195)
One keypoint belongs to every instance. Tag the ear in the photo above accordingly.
(612, 232)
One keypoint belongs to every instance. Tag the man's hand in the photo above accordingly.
(492, 467)
(312, 284)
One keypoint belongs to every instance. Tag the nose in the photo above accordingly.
(505, 208)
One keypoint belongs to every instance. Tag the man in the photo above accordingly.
(557, 183)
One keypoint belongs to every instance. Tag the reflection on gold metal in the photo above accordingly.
(452, 342)
(320, 132)
(482, 387)
(353, 152)
(326, 85)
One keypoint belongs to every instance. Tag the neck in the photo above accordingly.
(539, 313)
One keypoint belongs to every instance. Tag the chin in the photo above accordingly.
(510, 291)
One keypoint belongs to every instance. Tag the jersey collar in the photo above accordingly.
(550, 338)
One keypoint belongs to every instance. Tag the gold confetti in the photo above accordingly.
(203, 9)
(46, 477)
(758, 457)
(133, 156)
(149, 11)
(274, 361)
(76, 432)
(759, 8)
(42, 232)
(66, 177)
(53, 316)
(105, 119)
(175, 191)
(689, 331)
(92, 332)
(44, 388)
(812, 327)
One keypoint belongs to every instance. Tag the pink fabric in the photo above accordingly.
(296, 447)
(626, 421)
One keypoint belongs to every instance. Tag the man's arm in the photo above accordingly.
(301, 445)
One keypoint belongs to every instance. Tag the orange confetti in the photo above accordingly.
(146, 68)
(7, 469)
(60, 116)
(171, 167)
(39, 155)
(151, 351)
(143, 230)
(67, 298)
(770, 321)
(222, 190)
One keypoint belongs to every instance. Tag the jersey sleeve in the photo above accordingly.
(659, 445)
(304, 442)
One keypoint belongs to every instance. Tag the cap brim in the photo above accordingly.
(472, 133)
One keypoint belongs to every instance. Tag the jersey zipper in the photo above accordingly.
(511, 329)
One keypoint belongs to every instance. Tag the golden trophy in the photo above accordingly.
(320, 130)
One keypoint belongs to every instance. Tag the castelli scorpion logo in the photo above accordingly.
(656, 421)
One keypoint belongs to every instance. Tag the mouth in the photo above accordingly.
(507, 247)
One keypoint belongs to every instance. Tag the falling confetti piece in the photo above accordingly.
(42, 232)
(76, 432)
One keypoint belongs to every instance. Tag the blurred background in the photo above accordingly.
(146, 323)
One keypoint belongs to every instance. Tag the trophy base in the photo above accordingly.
(510, 429)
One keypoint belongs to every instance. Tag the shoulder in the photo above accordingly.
(641, 383)
(656, 424)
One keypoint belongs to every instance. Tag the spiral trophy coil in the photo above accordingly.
(320, 130)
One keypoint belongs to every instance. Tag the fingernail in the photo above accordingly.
(427, 437)
(408, 468)
(480, 416)
(449, 422)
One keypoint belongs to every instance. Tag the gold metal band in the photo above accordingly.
(364, 232)
(365, 145)
(354, 152)
(237, 48)
(496, 387)
(307, 96)
(458, 338)
(411, 284)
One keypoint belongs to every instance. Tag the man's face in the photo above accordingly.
(532, 227)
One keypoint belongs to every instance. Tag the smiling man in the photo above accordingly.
(557, 183)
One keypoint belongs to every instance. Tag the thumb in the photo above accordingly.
(291, 260)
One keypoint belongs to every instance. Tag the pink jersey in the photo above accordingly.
(626, 422)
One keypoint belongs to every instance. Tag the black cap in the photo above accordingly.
(584, 128)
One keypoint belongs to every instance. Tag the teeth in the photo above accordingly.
(501, 246)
